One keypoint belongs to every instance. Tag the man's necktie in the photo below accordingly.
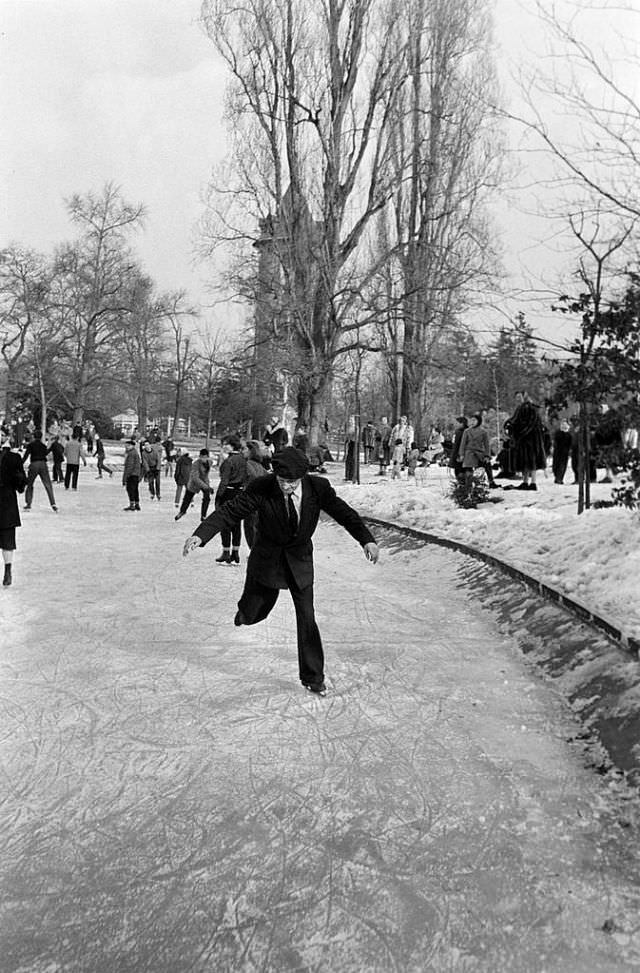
(293, 514)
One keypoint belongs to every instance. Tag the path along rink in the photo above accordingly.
(172, 800)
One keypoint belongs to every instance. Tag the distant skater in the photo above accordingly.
(102, 466)
(36, 453)
(198, 483)
(233, 477)
(57, 455)
(73, 453)
(182, 473)
(287, 505)
(12, 482)
(131, 474)
(151, 463)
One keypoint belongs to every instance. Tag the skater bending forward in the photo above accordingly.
(287, 504)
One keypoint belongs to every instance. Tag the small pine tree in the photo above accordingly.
(467, 498)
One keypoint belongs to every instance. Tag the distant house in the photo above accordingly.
(126, 423)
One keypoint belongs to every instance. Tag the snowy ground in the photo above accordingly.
(594, 558)
(174, 802)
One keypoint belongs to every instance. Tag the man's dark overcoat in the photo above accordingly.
(277, 554)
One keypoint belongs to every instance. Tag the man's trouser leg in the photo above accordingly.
(46, 480)
(310, 652)
(31, 477)
(186, 501)
(256, 601)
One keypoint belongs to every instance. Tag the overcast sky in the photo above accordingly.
(131, 91)
(98, 90)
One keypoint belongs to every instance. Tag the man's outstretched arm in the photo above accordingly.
(227, 515)
(350, 519)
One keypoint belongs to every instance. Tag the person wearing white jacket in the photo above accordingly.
(402, 430)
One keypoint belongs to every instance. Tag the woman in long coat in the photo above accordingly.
(13, 480)
(527, 431)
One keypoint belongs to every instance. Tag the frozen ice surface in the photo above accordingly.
(172, 800)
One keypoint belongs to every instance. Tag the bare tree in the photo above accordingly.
(211, 365)
(313, 92)
(24, 291)
(97, 288)
(143, 338)
(447, 163)
(581, 101)
(184, 355)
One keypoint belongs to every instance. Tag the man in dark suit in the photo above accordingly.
(288, 505)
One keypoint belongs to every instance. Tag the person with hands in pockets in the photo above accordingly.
(287, 505)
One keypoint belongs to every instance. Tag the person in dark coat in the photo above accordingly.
(276, 436)
(100, 455)
(455, 459)
(151, 463)
(301, 438)
(527, 431)
(169, 455)
(13, 480)
(198, 483)
(57, 455)
(368, 441)
(233, 477)
(288, 504)
(507, 454)
(255, 467)
(131, 472)
(350, 447)
(383, 445)
(607, 441)
(36, 452)
(182, 473)
(562, 439)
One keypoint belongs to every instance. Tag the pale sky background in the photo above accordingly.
(132, 91)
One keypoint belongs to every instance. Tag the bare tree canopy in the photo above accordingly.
(96, 286)
(447, 163)
(342, 115)
(581, 99)
(313, 91)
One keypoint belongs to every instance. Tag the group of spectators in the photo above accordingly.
(394, 447)
(528, 446)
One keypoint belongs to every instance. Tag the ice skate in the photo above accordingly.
(318, 688)
(225, 558)
(6, 581)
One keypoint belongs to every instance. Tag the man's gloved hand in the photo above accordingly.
(371, 552)
(190, 545)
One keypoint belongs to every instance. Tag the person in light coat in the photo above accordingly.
(73, 453)
(403, 430)
(474, 450)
